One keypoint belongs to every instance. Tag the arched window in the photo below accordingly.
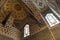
(51, 19)
(26, 30)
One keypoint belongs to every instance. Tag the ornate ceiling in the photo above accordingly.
(15, 14)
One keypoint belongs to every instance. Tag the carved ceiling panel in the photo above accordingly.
(15, 8)
(21, 17)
